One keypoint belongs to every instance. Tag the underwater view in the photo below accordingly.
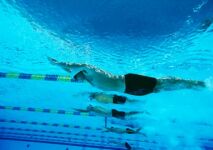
(106, 74)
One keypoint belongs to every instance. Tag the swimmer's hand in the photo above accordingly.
(52, 60)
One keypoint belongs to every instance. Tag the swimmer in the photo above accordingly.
(133, 84)
(109, 113)
(110, 98)
(123, 130)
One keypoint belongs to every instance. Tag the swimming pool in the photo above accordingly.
(156, 38)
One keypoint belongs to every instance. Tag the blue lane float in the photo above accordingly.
(44, 77)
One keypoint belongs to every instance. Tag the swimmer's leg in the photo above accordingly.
(132, 113)
(132, 101)
(172, 83)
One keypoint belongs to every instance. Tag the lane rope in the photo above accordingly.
(44, 77)
(68, 134)
(49, 124)
(67, 126)
(52, 140)
(47, 110)
(44, 133)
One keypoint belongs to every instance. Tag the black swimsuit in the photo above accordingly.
(118, 114)
(139, 84)
(119, 99)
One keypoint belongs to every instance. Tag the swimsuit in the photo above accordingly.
(118, 114)
(130, 131)
(119, 99)
(139, 84)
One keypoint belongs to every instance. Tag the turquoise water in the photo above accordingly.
(156, 38)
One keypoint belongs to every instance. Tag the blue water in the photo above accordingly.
(156, 38)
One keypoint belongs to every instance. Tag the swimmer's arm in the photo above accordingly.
(69, 67)
(115, 130)
(96, 109)
(81, 110)
(76, 67)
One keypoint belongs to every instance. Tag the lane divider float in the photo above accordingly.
(46, 110)
(66, 126)
(69, 134)
(52, 140)
(49, 124)
(44, 77)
